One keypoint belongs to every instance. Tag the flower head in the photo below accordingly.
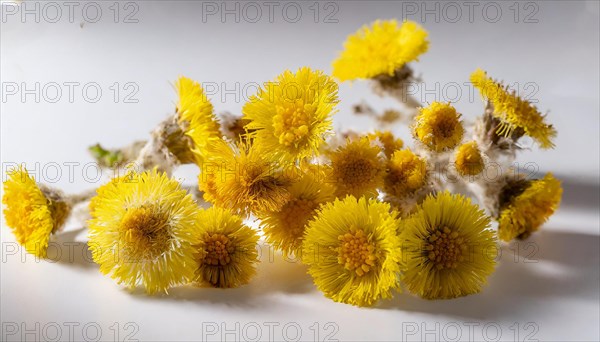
(291, 117)
(357, 168)
(469, 160)
(352, 250)
(143, 230)
(389, 143)
(33, 211)
(284, 228)
(513, 112)
(243, 178)
(448, 248)
(196, 116)
(438, 127)
(526, 205)
(227, 249)
(406, 173)
(380, 49)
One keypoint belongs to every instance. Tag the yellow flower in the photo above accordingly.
(228, 253)
(357, 169)
(468, 159)
(513, 112)
(448, 249)
(207, 184)
(284, 228)
(406, 173)
(243, 178)
(143, 230)
(438, 127)
(196, 116)
(33, 211)
(528, 204)
(380, 50)
(291, 117)
(352, 250)
(388, 141)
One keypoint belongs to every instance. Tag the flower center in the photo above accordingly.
(356, 253)
(406, 173)
(445, 248)
(469, 160)
(444, 126)
(292, 121)
(145, 233)
(439, 127)
(356, 171)
(295, 214)
(263, 192)
(219, 249)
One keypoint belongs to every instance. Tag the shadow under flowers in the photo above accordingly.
(549, 264)
(578, 194)
(275, 275)
(67, 250)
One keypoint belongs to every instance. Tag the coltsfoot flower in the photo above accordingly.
(469, 159)
(357, 168)
(33, 211)
(438, 127)
(196, 117)
(353, 251)
(181, 138)
(406, 173)
(291, 117)
(227, 250)
(448, 249)
(526, 204)
(515, 116)
(243, 178)
(389, 143)
(380, 49)
(143, 231)
(284, 228)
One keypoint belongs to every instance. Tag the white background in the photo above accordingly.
(545, 288)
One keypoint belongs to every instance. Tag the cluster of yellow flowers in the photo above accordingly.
(365, 213)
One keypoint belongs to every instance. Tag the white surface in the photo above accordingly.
(554, 298)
